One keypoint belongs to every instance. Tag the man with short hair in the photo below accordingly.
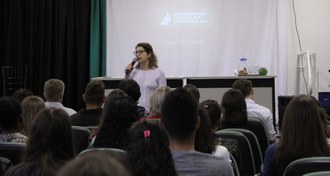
(94, 98)
(254, 109)
(179, 113)
(53, 93)
(193, 90)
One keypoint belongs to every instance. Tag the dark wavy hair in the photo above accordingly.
(120, 112)
(115, 92)
(49, 145)
(303, 133)
(131, 87)
(233, 109)
(205, 140)
(10, 114)
(148, 150)
(22, 93)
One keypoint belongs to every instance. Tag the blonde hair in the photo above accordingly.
(54, 90)
(30, 107)
(157, 98)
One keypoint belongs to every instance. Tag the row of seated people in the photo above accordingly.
(50, 137)
(108, 126)
(94, 99)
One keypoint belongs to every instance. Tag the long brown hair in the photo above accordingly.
(49, 145)
(31, 105)
(303, 134)
(233, 109)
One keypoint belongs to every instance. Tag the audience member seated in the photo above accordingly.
(22, 93)
(53, 93)
(193, 90)
(213, 107)
(303, 135)
(94, 98)
(132, 89)
(233, 106)
(148, 139)
(254, 109)
(119, 113)
(95, 164)
(234, 115)
(30, 107)
(156, 101)
(11, 120)
(206, 141)
(49, 146)
(180, 118)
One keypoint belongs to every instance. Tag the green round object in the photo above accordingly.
(263, 71)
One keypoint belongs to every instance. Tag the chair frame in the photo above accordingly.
(255, 147)
(13, 151)
(248, 166)
(320, 173)
(119, 154)
(14, 78)
(234, 165)
(80, 144)
(263, 141)
(307, 165)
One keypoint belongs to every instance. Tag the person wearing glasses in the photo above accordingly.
(146, 73)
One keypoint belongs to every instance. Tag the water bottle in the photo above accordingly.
(242, 67)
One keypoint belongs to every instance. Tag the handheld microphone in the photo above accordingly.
(133, 61)
(132, 64)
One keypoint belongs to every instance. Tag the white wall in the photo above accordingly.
(314, 29)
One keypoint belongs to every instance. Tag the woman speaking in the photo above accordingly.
(146, 73)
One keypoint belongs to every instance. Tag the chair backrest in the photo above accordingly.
(12, 151)
(257, 156)
(91, 128)
(154, 121)
(114, 152)
(5, 164)
(321, 173)
(258, 128)
(239, 146)
(14, 78)
(234, 165)
(80, 138)
(307, 165)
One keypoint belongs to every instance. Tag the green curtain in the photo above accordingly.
(98, 38)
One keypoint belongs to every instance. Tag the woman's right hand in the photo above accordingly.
(128, 69)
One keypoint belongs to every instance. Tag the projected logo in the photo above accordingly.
(166, 20)
(185, 18)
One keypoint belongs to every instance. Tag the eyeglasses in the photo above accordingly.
(138, 52)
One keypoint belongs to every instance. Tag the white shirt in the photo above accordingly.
(148, 81)
(59, 105)
(262, 113)
(222, 152)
